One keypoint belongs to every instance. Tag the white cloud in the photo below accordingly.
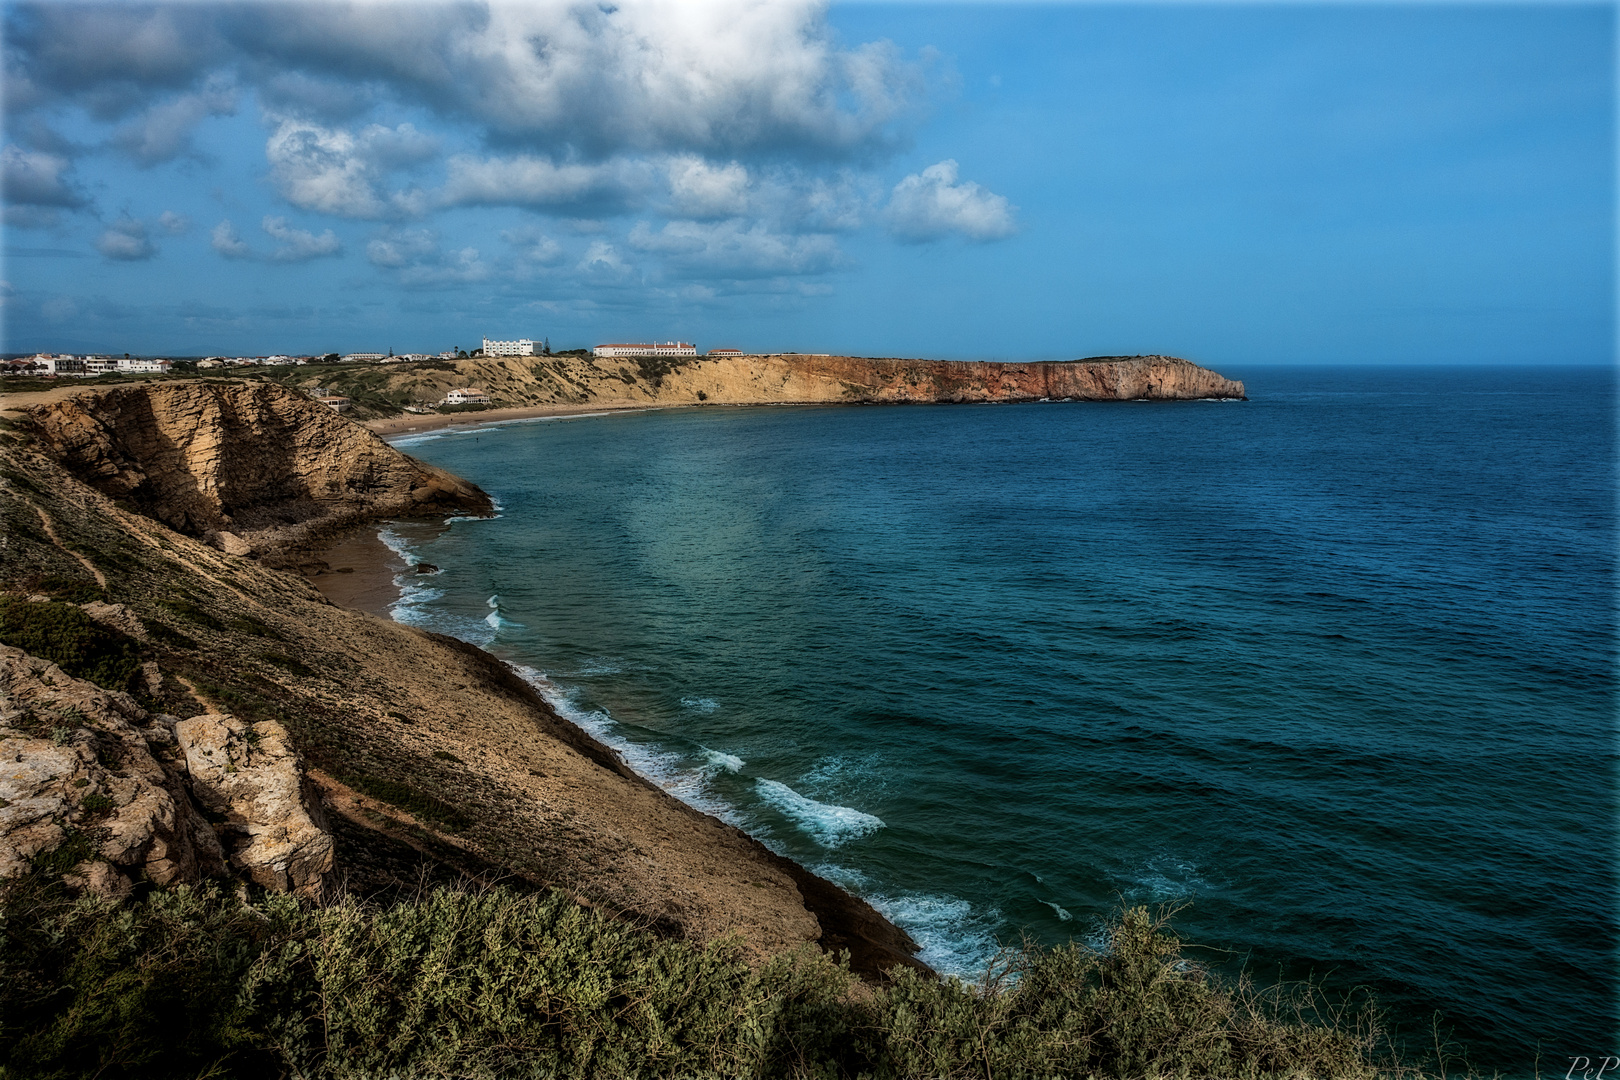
(298, 245)
(126, 241)
(539, 182)
(698, 189)
(930, 205)
(534, 246)
(456, 268)
(335, 171)
(602, 262)
(163, 132)
(736, 249)
(225, 240)
(174, 224)
(718, 78)
(396, 248)
(416, 254)
(36, 178)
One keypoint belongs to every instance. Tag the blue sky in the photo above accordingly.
(1277, 183)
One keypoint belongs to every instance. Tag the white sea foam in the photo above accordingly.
(722, 760)
(956, 938)
(1164, 878)
(700, 704)
(828, 825)
(1061, 913)
(665, 768)
(473, 517)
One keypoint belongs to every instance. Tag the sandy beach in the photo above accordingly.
(411, 424)
(359, 572)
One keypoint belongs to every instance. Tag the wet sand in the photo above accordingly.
(410, 424)
(360, 571)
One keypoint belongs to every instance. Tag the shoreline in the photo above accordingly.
(395, 426)
(356, 570)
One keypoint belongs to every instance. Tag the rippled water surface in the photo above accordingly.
(1337, 665)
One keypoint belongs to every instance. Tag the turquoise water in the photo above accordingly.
(1336, 665)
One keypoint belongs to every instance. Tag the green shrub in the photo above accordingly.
(189, 609)
(417, 803)
(72, 589)
(66, 636)
(497, 984)
(287, 663)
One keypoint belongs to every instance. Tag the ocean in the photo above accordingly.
(1332, 670)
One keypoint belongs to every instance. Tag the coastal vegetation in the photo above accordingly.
(492, 982)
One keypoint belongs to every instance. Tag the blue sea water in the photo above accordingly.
(1336, 666)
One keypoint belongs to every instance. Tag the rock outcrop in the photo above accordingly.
(88, 773)
(250, 467)
(271, 821)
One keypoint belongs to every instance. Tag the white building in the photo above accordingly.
(355, 356)
(60, 365)
(335, 402)
(520, 347)
(725, 352)
(99, 365)
(468, 396)
(647, 348)
(147, 367)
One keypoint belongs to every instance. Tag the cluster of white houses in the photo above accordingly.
(84, 366)
(46, 364)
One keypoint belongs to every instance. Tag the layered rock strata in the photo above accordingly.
(252, 468)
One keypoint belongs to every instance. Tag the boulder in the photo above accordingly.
(245, 773)
(82, 766)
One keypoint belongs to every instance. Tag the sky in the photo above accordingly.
(1299, 183)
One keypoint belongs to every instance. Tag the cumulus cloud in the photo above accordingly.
(163, 132)
(699, 189)
(461, 267)
(421, 263)
(736, 249)
(716, 78)
(534, 246)
(174, 224)
(36, 178)
(540, 183)
(603, 263)
(931, 205)
(298, 245)
(226, 242)
(340, 172)
(395, 248)
(125, 240)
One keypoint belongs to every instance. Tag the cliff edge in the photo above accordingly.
(172, 709)
(251, 468)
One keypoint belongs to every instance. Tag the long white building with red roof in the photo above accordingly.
(648, 348)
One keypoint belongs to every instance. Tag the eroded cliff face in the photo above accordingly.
(572, 380)
(250, 467)
(286, 741)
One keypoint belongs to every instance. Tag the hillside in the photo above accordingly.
(573, 379)
(164, 509)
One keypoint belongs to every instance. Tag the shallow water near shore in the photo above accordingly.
(1336, 665)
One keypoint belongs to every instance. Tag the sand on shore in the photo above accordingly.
(410, 424)
(359, 572)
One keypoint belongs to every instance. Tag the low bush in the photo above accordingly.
(193, 981)
(70, 639)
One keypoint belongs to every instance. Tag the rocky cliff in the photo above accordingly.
(245, 726)
(572, 379)
(248, 467)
